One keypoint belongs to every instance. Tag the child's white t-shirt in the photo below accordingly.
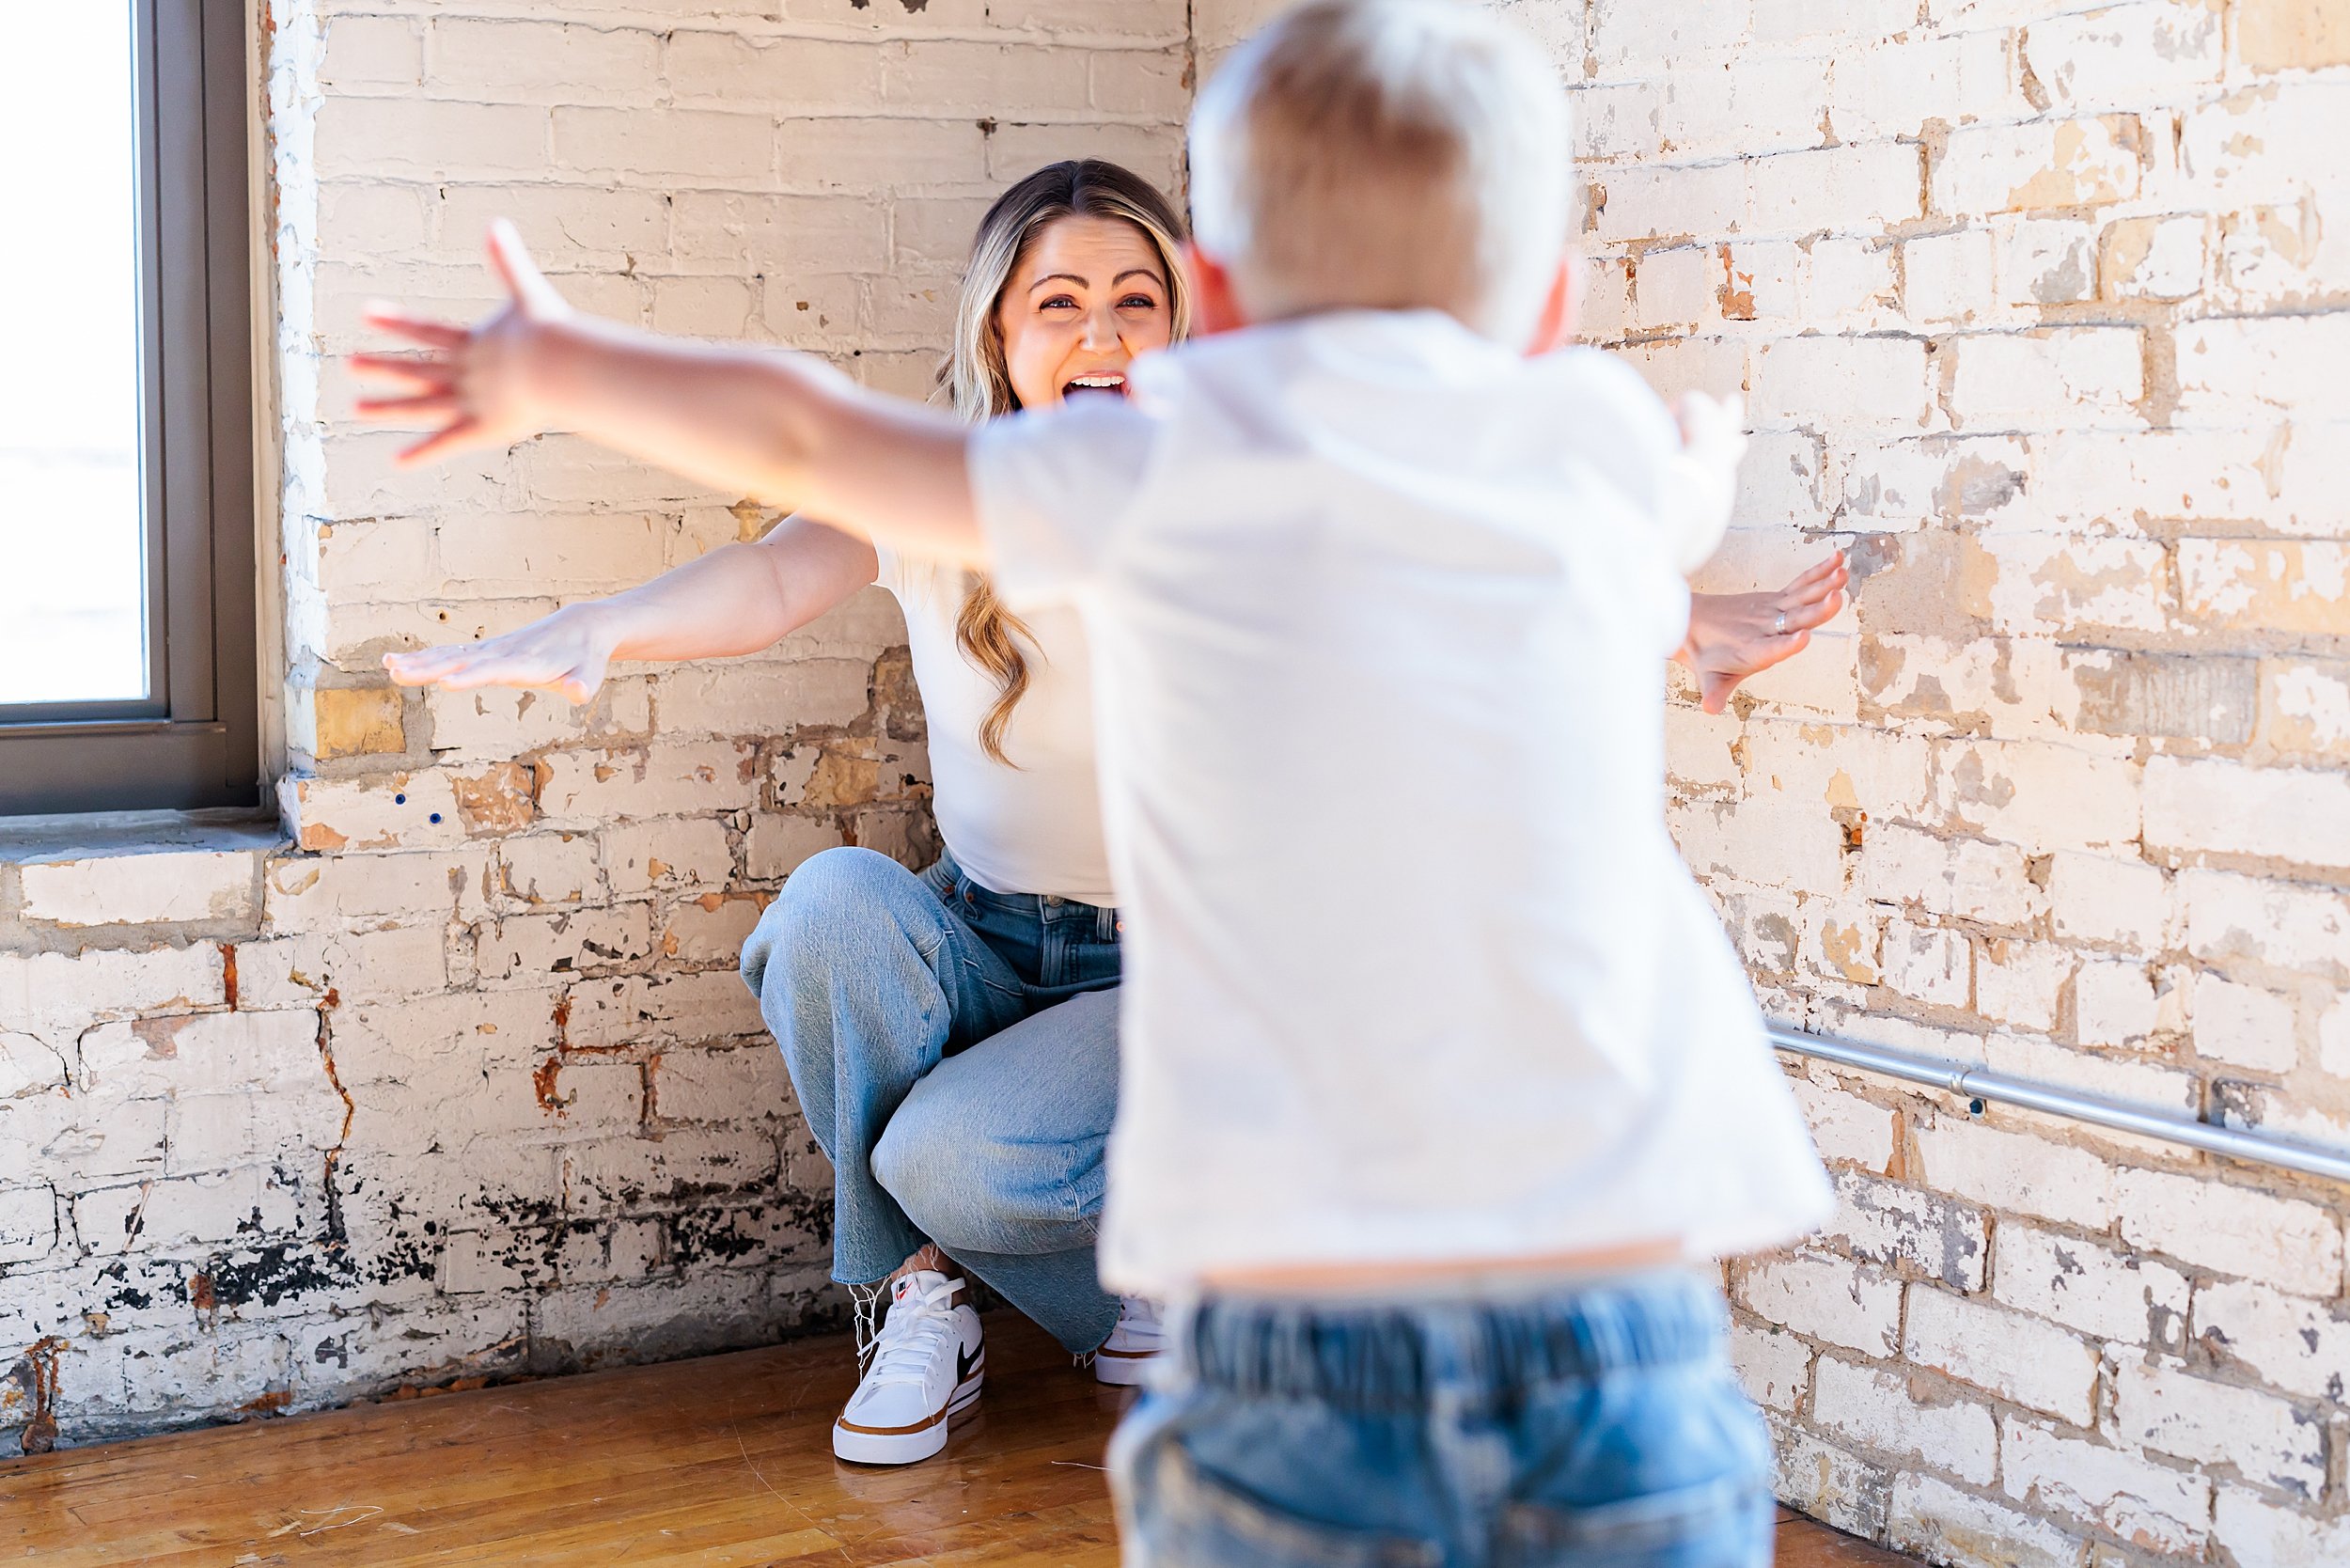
(1034, 826)
(1414, 972)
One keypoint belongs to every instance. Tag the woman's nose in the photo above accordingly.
(1101, 329)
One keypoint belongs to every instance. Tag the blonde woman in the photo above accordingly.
(951, 1035)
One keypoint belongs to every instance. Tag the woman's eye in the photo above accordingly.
(1137, 302)
(1058, 302)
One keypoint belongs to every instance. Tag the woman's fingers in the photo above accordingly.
(417, 329)
(1815, 577)
(529, 674)
(1805, 613)
(1813, 598)
(478, 673)
(465, 671)
(469, 667)
(425, 666)
(414, 675)
(1816, 582)
(421, 658)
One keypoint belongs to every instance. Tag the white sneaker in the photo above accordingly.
(928, 1363)
(1126, 1356)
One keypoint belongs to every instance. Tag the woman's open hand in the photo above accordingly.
(1732, 635)
(567, 651)
(484, 384)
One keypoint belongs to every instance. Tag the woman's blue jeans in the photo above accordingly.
(955, 1052)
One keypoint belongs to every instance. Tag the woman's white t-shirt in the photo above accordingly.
(1036, 827)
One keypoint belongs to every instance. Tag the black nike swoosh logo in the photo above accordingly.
(965, 1361)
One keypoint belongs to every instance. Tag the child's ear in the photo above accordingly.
(1555, 329)
(1214, 306)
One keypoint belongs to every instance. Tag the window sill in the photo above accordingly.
(93, 835)
(174, 876)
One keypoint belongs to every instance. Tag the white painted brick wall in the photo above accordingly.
(462, 1082)
(2039, 305)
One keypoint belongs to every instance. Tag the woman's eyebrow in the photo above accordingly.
(1086, 283)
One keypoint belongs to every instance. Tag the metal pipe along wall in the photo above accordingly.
(1979, 1083)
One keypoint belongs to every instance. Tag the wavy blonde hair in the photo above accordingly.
(978, 384)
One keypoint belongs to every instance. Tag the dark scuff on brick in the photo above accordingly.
(271, 1275)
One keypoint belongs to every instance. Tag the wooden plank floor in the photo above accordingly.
(724, 1460)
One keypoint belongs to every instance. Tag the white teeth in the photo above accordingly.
(1098, 381)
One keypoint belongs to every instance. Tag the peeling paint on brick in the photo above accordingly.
(355, 1188)
(2098, 580)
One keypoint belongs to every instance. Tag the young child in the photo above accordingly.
(1441, 1083)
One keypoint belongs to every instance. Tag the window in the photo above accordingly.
(127, 615)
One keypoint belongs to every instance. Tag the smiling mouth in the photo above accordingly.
(1108, 381)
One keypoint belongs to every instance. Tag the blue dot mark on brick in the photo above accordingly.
(399, 800)
(436, 816)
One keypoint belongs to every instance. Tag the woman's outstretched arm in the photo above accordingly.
(781, 425)
(735, 600)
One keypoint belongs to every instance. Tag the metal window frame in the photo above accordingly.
(194, 743)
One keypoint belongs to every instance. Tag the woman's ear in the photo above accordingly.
(1214, 306)
(1554, 328)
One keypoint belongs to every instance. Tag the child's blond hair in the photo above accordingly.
(1386, 154)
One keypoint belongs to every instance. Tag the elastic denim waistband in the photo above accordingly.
(1367, 1355)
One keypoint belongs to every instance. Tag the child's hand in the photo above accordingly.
(1700, 486)
(486, 384)
(567, 651)
(1732, 635)
(1713, 431)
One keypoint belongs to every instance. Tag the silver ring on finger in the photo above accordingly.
(1780, 625)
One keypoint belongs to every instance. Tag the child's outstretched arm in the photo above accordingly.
(781, 425)
(1701, 482)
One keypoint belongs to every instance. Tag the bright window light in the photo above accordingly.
(73, 573)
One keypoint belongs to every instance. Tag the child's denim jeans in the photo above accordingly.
(955, 1052)
(1598, 1427)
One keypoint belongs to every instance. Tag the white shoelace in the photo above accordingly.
(910, 1337)
(865, 1302)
